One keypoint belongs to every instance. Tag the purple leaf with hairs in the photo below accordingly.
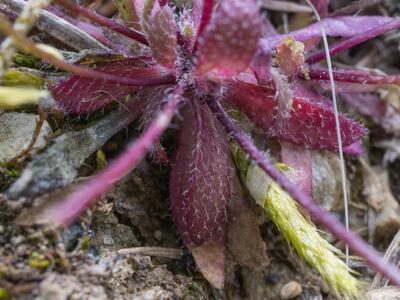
(200, 188)
(226, 40)
(230, 40)
(337, 27)
(161, 32)
(259, 104)
(81, 95)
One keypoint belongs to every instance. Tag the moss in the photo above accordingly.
(18, 78)
(3, 293)
(85, 243)
(39, 261)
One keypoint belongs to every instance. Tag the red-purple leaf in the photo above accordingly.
(64, 212)
(199, 177)
(347, 26)
(161, 32)
(81, 95)
(321, 6)
(310, 124)
(152, 108)
(199, 188)
(230, 40)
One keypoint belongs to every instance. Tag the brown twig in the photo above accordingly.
(35, 135)
(171, 253)
(392, 256)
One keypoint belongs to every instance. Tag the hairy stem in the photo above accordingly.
(29, 46)
(355, 40)
(353, 76)
(106, 22)
(71, 207)
(328, 221)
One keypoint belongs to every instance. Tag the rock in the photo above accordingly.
(386, 293)
(16, 131)
(326, 182)
(291, 290)
(156, 293)
(57, 166)
(63, 287)
(374, 189)
(386, 222)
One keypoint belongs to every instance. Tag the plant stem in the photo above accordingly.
(106, 22)
(29, 46)
(353, 76)
(328, 221)
(68, 209)
(208, 6)
(355, 40)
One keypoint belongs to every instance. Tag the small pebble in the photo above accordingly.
(158, 235)
(291, 290)
(108, 240)
(16, 240)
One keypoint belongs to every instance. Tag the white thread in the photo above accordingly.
(339, 138)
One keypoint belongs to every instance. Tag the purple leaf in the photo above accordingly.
(347, 26)
(106, 22)
(152, 108)
(161, 32)
(353, 76)
(81, 95)
(65, 211)
(330, 222)
(321, 6)
(199, 187)
(230, 41)
(364, 35)
(310, 124)
(201, 17)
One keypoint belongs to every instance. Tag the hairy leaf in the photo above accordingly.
(199, 188)
(161, 33)
(339, 27)
(81, 95)
(310, 123)
(231, 39)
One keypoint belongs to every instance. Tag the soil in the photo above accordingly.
(82, 261)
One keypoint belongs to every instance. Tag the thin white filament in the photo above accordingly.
(339, 137)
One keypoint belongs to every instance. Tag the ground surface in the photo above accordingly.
(81, 262)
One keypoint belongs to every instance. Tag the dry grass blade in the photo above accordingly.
(171, 253)
(392, 255)
(285, 6)
(355, 7)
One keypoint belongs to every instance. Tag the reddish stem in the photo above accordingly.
(29, 46)
(208, 6)
(353, 41)
(331, 223)
(66, 211)
(106, 22)
(353, 76)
